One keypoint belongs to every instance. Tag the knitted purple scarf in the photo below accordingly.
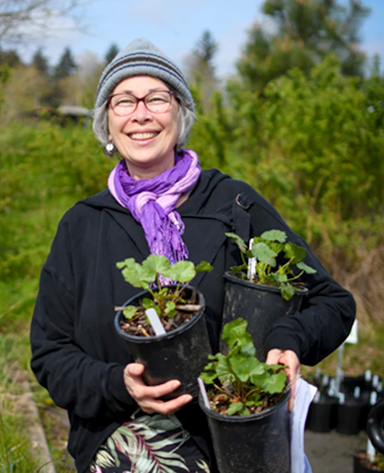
(152, 202)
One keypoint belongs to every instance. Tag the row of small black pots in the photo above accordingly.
(256, 443)
(326, 414)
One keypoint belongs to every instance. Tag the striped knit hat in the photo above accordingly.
(141, 57)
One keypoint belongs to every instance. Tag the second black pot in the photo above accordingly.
(258, 443)
(180, 354)
(359, 465)
(259, 305)
(375, 426)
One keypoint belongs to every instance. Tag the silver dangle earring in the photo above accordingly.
(109, 149)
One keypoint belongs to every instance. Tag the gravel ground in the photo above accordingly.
(332, 452)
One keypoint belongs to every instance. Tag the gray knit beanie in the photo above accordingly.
(141, 57)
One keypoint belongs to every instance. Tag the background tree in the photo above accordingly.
(40, 62)
(201, 69)
(303, 33)
(19, 19)
(10, 58)
(66, 65)
(111, 53)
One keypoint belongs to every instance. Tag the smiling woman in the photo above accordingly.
(159, 202)
(144, 130)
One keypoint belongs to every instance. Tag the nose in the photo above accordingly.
(141, 114)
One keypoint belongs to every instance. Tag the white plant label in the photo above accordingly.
(353, 336)
(155, 321)
(251, 263)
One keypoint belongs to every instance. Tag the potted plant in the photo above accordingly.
(246, 407)
(180, 352)
(266, 285)
(364, 463)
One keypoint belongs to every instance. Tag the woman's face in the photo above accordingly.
(144, 139)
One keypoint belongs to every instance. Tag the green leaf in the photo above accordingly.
(208, 377)
(263, 253)
(294, 251)
(274, 235)
(238, 269)
(307, 269)
(239, 241)
(170, 309)
(234, 408)
(223, 369)
(156, 264)
(130, 311)
(203, 267)
(147, 303)
(132, 274)
(280, 278)
(235, 332)
(243, 366)
(182, 271)
(275, 383)
(126, 263)
(245, 412)
(287, 291)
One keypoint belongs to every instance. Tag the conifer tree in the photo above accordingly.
(304, 32)
(111, 53)
(66, 65)
(40, 62)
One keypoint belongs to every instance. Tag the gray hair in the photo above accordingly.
(186, 117)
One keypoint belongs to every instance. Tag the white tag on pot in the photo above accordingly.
(251, 263)
(204, 394)
(155, 322)
(352, 337)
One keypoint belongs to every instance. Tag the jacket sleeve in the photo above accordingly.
(327, 313)
(75, 381)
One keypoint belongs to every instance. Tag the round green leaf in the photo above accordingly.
(263, 253)
(274, 235)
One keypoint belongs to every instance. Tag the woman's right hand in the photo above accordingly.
(147, 396)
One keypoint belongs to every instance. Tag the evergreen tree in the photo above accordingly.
(201, 69)
(10, 58)
(111, 53)
(40, 62)
(305, 31)
(66, 65)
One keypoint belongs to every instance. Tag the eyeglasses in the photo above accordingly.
(156, 102)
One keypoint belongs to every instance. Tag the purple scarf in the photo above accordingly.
(152, 202)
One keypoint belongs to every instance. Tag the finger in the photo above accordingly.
(273, 357)
(155, 392)
(165, 407)
(135, 369)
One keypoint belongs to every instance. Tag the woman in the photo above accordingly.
(158, 201)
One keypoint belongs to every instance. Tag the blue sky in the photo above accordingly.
(176, 25)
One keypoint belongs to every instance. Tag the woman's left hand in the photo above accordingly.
(293, 372)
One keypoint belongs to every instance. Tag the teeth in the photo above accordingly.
(142, 136)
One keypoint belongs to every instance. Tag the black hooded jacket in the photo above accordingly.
(77, 354)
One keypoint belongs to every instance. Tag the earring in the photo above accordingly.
(109, 149)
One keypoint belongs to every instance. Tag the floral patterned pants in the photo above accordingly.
(150, 444)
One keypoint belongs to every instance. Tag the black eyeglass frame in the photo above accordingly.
(142, 99)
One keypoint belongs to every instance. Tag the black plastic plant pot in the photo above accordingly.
(180, 354)
(258, 443)
(348, 417)
(322, 415)
(259, 305)
(361, 464)
(375, 424)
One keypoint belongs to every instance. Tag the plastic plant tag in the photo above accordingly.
(371, 452)
(155, 322)
(251, 273)
(353, 336)
(203, 393)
